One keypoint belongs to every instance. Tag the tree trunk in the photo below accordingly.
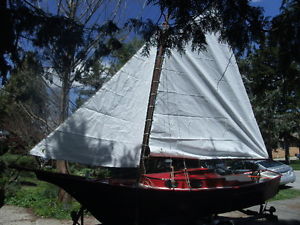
(269, 147)
(2, 196)
(270, 150)
(62, 165)
(286, 150)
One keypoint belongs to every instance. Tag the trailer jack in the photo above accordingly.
(76, 216)
(264, 212)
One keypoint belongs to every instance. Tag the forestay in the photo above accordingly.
(202, 111)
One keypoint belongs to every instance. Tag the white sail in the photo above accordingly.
(108, 129)
(202, 108)
(202, 111)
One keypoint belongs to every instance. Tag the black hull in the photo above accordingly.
(128, 205)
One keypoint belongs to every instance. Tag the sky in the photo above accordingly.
(271, 7)
(138, 8)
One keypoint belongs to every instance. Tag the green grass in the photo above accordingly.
(295, 164)
(41, 199)
(286, 193)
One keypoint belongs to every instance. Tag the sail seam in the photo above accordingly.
(188, 139)
(104, 114)
(91, 137)
(190, 116)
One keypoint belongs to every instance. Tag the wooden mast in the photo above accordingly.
(152, 96)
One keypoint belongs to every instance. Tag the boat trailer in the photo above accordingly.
(264, 212)
(78, 217)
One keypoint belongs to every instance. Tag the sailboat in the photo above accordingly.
(179, 110)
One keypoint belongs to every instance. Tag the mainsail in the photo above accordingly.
(201, 111)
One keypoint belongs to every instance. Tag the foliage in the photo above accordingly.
(23, 103)
(69, 39)
(99, 73)
(25, 23)
(23, 161)
(22, 109)
(123, 54)
(189, 20)
(285, 34)
(99, 173)
(273, 95)
(273, 75)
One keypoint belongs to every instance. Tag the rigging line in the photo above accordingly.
(172, 174)
(229, 61)
(186, 174)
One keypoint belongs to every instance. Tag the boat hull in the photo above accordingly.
(112, 204)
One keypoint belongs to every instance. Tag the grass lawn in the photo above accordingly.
(41, 198)
(286, 193)
(295, 164)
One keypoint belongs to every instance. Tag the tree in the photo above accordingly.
(285, 33)
(272, 95)
(189, 21)
(23, 25)
(83, 40)
(123, 54)
(69, 39)
(273, 71)
(23, 103)
(100, 73)
(23, 113)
